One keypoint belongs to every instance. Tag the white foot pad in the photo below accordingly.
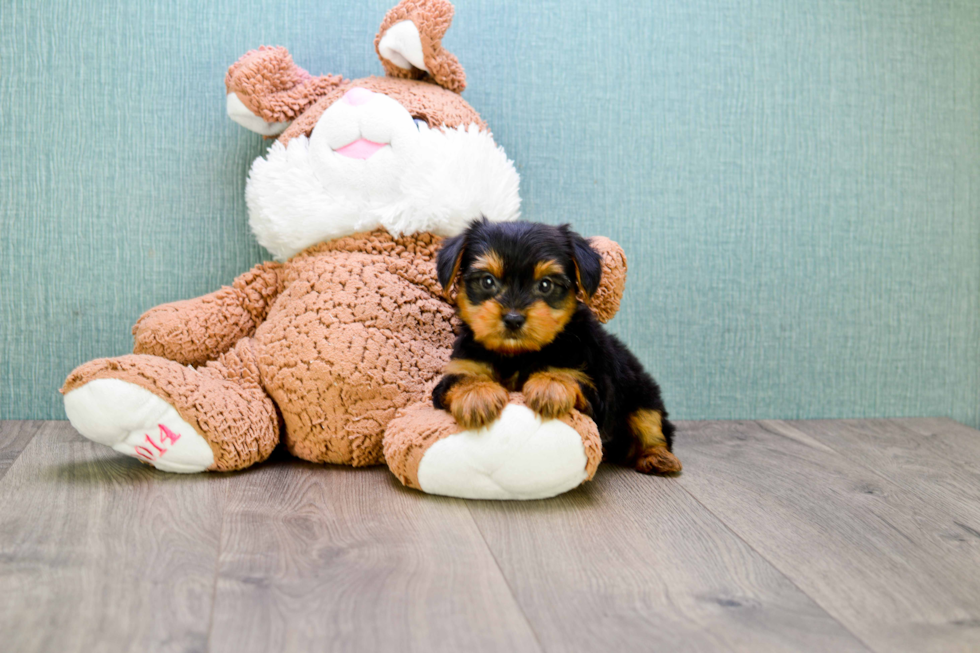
(137, 423)
(517, 457)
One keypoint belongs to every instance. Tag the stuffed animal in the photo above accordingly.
(335, 347)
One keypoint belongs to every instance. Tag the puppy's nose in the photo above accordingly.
(358, 96)
(514, 320)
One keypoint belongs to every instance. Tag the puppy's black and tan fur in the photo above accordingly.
(525, 329)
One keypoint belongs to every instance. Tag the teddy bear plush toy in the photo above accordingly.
(334, 347)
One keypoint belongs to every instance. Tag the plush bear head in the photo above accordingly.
(404, 152)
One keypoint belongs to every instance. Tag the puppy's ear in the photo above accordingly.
(588, 263)
(448, 261)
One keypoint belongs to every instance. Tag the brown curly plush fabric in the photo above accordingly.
(223, 401)
(358, 332)
(340, 337)
(437, 106)
(416, 428)
(274, 88)
(432, 18)
(605, 302)
(195, 331)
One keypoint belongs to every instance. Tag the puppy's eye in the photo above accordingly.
(488, 282)
(545, 286)
(419, 123)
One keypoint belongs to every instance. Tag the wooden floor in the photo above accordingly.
(810, 536)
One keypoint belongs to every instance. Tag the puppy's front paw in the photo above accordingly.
(476, 403)
(553, 393)
(658, 461)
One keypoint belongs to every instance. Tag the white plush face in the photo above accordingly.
(367, 164)
(360, 145)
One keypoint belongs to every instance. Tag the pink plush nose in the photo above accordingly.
(358, 96)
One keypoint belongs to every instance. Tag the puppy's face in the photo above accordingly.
(515, 306)
(517, 282)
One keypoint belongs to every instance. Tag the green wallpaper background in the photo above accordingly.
(796, 184)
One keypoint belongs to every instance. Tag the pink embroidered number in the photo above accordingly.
(167, 434)
(150, 454)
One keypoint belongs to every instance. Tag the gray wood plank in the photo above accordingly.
(867, 550)
(14, 436)
(634, 563)
(957, 442)
(332, 558)
(101, 553)
(918, 463)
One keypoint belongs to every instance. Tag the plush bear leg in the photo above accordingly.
(519, 456)
(174, 417)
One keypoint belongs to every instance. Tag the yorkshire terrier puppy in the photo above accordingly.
(525, 329)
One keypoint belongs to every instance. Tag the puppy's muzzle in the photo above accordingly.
(514, 320)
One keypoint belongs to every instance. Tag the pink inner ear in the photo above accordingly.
(362, 148)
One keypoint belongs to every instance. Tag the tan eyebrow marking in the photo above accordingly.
(544, 268)
(491, 262)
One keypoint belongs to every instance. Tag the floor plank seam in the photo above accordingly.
(776, 567)
(13, 461)
(510, 590)
(772, 431)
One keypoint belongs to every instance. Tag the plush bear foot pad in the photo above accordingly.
(519, 456)
(136, 422)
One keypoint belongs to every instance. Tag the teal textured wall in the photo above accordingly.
(797, 184)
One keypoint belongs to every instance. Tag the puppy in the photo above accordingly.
(525, 329)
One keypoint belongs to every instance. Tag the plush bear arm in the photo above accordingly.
(605, 302)
(195, 331)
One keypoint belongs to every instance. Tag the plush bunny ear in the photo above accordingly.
(266, 90)
(409, 44)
